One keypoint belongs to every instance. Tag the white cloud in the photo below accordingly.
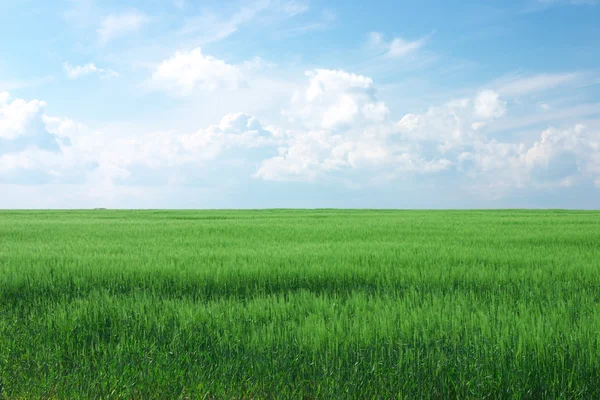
(458, 130)
(518, 86)
(397, 47)
(477, 125)
(306, 155)
(209, 27)
(237, 123)
(188, 71)
(559, 115)
(561, 157)
(337, 130)
(30, 151)
(234, 130)
(490, 156)
(171, 149)
(489, 105)
(326, 19)
(344, 129)
(291, 7)
(455, 123)
(313, 154)
(19, 117)
(375, 39)
(336, 98)
(37, 148)
(117, 25)
(400, 47)
(78, 71)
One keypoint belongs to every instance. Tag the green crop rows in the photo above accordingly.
(300, 304)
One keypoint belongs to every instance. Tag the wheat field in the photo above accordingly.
(300, 304)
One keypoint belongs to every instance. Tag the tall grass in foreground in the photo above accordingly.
(292, 304)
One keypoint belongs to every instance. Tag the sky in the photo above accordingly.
(299, 104)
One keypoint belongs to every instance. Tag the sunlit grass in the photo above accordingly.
(292, 304)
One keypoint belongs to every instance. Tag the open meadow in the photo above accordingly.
(299, 304)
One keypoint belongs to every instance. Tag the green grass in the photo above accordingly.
(300, 304)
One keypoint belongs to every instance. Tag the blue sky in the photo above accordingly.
(299, 103)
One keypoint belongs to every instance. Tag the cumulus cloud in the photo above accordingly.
(234, 130)
(37, 148)
(189, 71)
(561, 157)
(564, 156)
(488, 105)
(22, 127)
(458, 129)
(332, 112)
(311, 155)
(172, 150)
(32, 148)
(455, 123)
(114, 26)
(19, 117)
(305, 156)
(336, 129)
(336, 98)
(343, 127)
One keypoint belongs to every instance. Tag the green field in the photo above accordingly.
(300, 304)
